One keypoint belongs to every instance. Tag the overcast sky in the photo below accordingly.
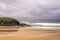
(31, 10)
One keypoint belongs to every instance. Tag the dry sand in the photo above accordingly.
(32, 33)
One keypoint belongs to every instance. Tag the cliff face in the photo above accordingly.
(8, 22)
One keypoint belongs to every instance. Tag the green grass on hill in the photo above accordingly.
(6, 18)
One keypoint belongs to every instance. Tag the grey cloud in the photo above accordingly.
(31, 10)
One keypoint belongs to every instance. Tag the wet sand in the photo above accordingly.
(33, 33)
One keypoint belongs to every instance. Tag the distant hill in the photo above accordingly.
(6, 21)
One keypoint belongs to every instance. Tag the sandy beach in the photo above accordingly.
(33, 33)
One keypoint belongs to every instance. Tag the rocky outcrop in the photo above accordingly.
(12, 22)
(24, 24)
(9, 23)
(5, 21)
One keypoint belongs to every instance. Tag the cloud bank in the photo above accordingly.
(31, 10)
